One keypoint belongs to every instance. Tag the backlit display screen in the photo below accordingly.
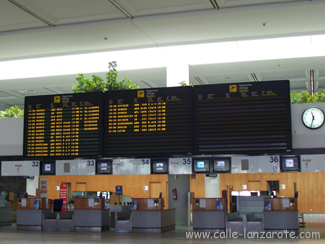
(68, 125)
(148, 122)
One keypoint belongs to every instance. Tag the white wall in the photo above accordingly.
(302, 137)
(31, 185)
(11, 136)
(212, 187)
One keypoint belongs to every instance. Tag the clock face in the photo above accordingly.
(313, 118)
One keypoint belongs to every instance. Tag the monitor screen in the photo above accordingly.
(47, 168)
(104, 166)
(290, 163)
(159, 166)
(221, 165)
(201, 165)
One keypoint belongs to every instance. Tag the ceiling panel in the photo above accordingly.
(4, 94)
(14, 18)
(151, 7)
(288, 74)
(230, 78)
(62, 9)
(321, 73)
(71, 11)
(73, 40)
(298, 85)
(156, 23)
(236, 3)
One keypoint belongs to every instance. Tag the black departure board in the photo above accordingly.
(67, 125)
(148, 122)
(234, 118)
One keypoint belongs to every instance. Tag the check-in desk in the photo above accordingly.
(29, 213)
(281, 214)
(209, 214)
(117, 209)
(5, 216)
(90, 215)
(151, 217)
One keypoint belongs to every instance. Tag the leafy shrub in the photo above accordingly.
(12, 112)
(304, 97)
(86, 84)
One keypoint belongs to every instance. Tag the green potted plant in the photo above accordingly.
(12, 112)
(96, 83)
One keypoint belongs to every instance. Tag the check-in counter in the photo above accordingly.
(29, 213)
(117, 209)
(90, 215)
(281, 214)
(209, 214)
(151, 217)
(5, 216)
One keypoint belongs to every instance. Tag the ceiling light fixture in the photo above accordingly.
(27, 91)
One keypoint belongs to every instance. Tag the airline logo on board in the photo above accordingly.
(57, 99)
(233, 88)
(140, 94)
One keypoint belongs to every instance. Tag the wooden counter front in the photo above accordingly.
(30, 203)
(143, 204)
(277, 204)
(210, 204)
(83, 203)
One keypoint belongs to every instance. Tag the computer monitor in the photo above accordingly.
(47, 167)
(159, 166)
(104, 166)
(290, 163)
(201, 165)
(221, 165)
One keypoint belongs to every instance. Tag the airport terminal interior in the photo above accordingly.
(210, 142)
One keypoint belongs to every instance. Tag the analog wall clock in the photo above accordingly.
(313, 118)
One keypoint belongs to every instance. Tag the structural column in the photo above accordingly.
(177, 71)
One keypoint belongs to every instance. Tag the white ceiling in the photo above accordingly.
(38, 28)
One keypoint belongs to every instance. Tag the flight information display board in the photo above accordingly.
(148, 122)
(253, 117)
(67, 125)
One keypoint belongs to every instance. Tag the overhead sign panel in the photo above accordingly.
(67, 125)
(20, 168)
(253, 117)
(139, 166)
(148, 122)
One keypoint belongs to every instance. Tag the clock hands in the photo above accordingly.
(312, 120)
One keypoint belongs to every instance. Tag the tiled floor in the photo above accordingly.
(9, 235)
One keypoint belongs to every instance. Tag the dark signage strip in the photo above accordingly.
(67, 125)
(148, 122)
(246, 118)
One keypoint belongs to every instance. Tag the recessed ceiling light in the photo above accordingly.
(27, 91)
